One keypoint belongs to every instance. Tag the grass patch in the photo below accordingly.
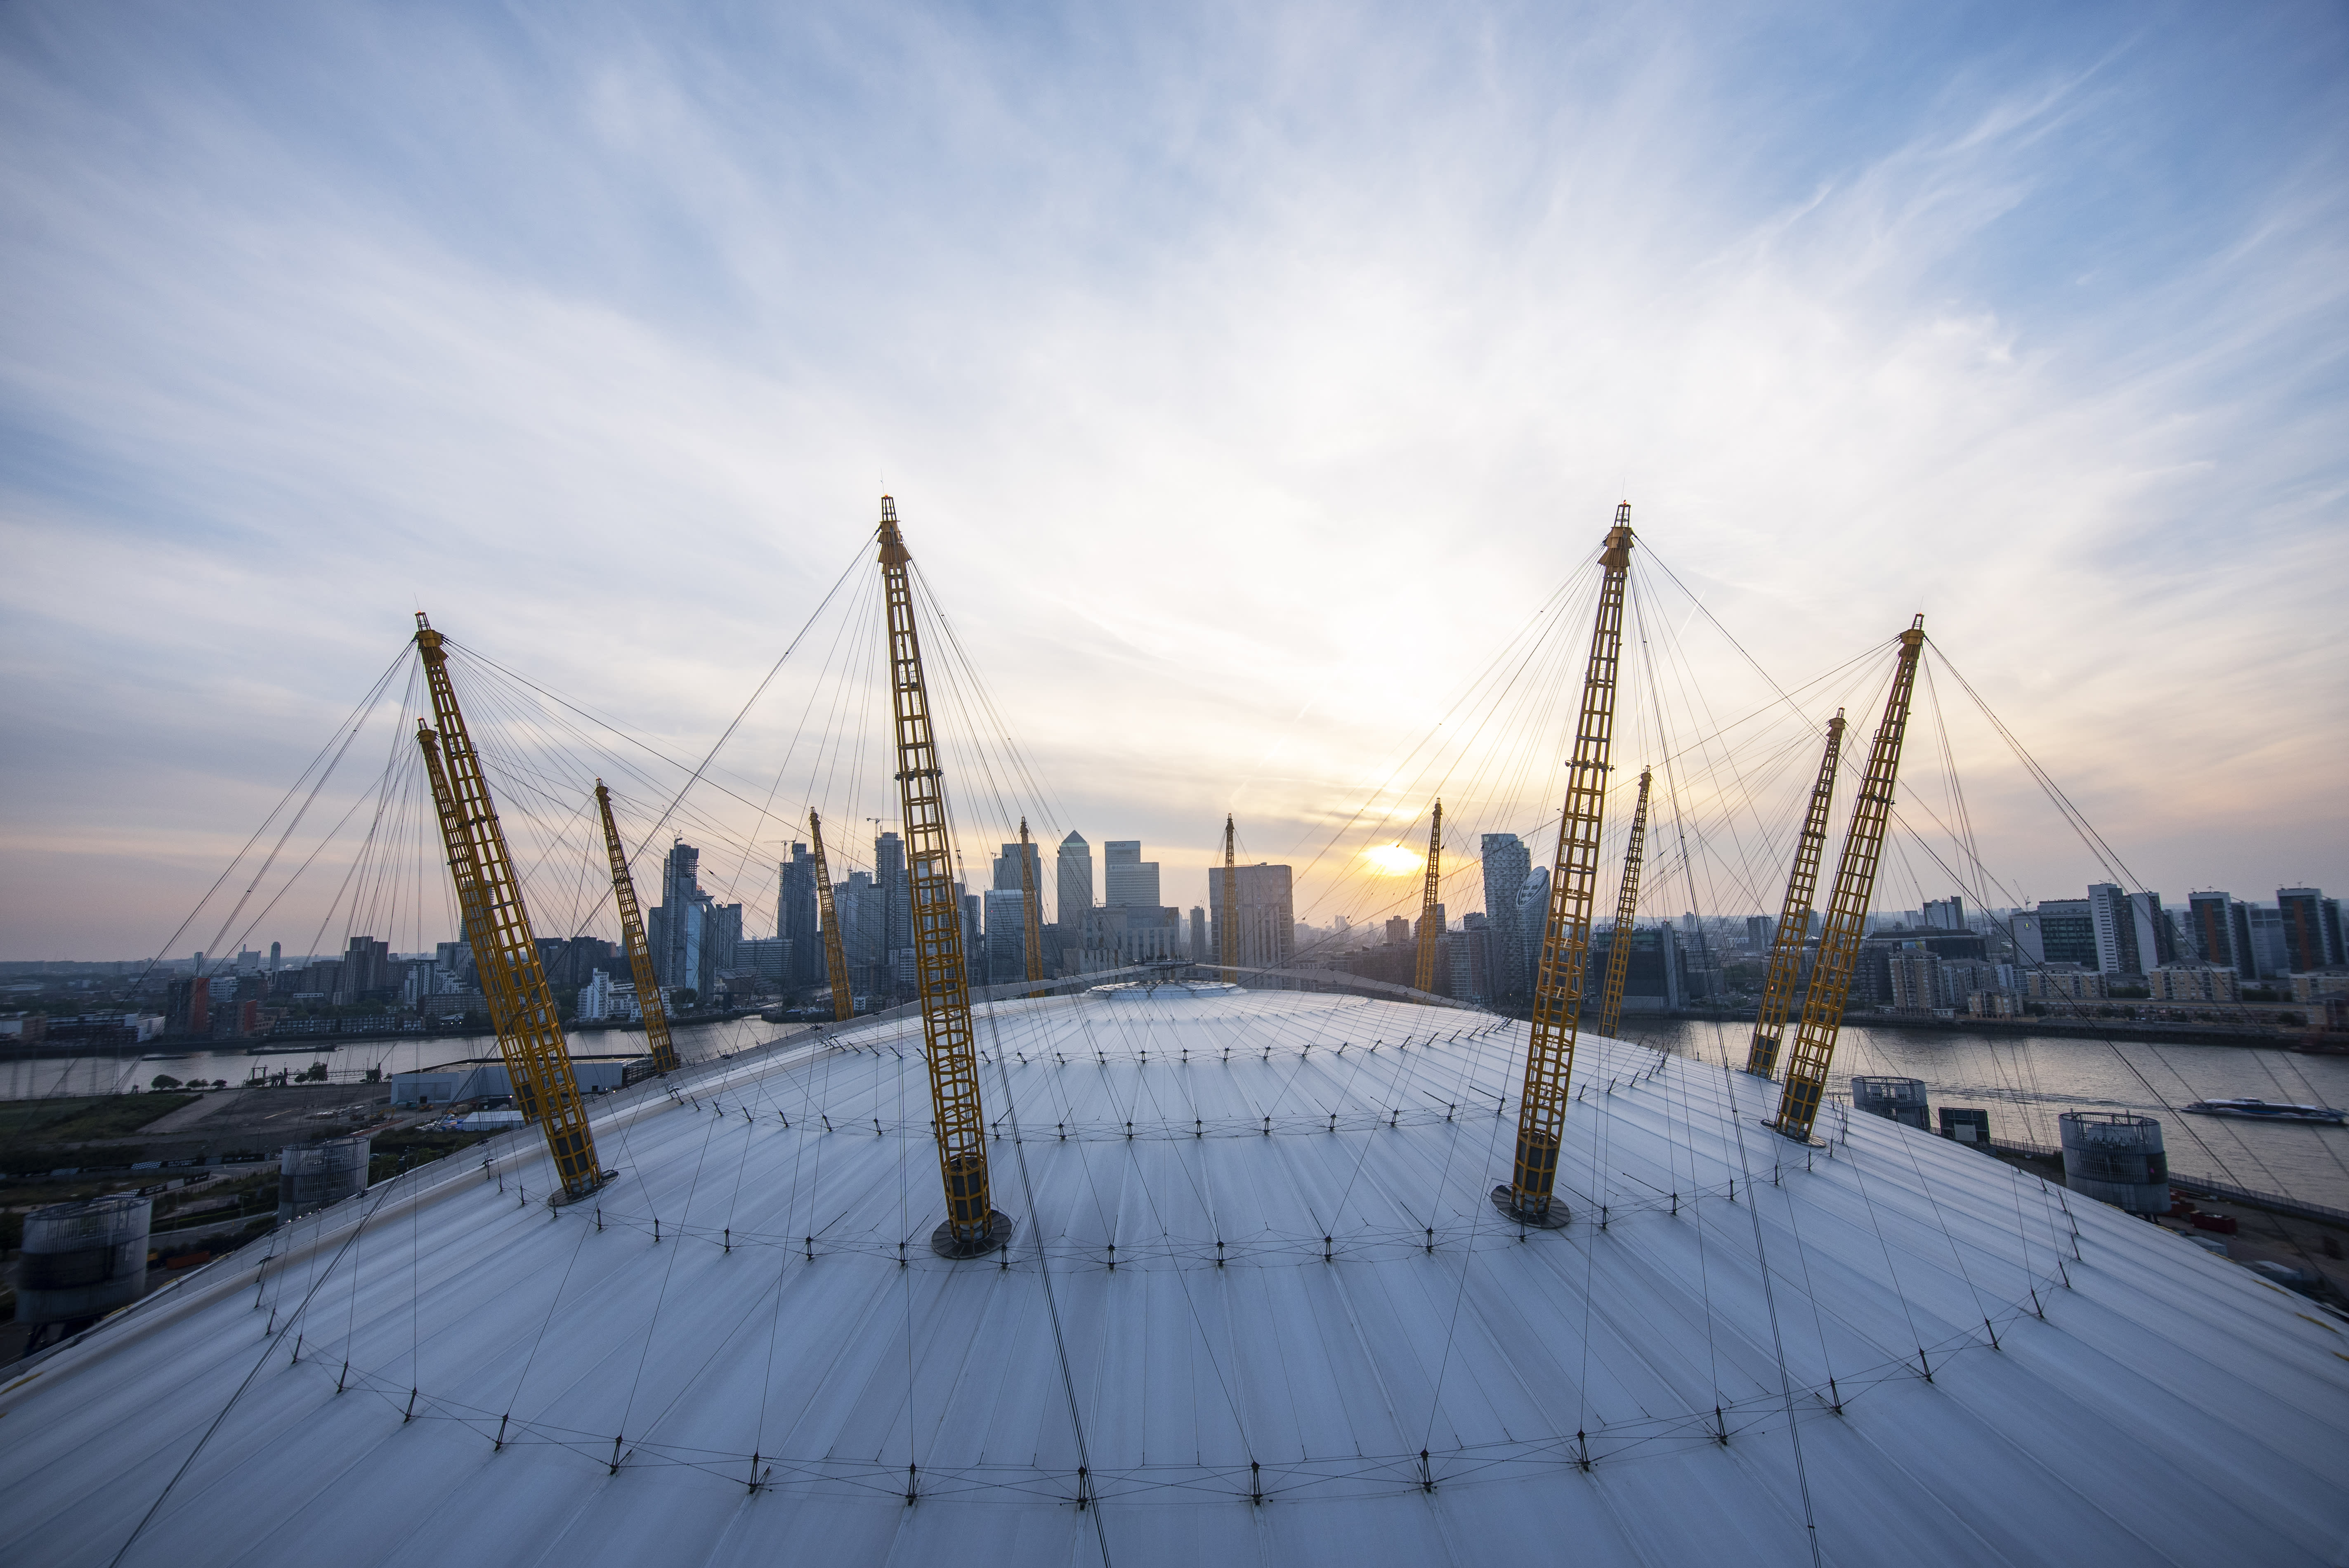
(391, 1153)
(69, 1119)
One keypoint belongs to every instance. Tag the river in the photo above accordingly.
(2024, 1082)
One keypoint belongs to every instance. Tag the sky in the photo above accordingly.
(1245, 377)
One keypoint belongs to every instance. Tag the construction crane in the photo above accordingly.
(835, 953)
(649, 1004)
(1855, 886)
(497, 926)
(1565, 936)
(1795, 916)
(1029, 904)
(1626, 904)
(1229, 937)
(973, 1226)
(1429, 927)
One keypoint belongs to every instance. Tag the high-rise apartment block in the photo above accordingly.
(2133, 935)
(795, 918)
(2312, 929)
(2222, 931)
(1506, 865)
(2060, 931)
(674, 926)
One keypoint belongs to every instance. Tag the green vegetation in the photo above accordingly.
(392, 1153)
(80, 1119)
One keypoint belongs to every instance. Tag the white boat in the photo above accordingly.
(2269, 1111)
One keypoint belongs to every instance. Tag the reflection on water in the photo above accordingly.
(21, 1080)
(2026, 1082)
(2023, 1081)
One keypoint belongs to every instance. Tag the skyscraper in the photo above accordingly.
(856, 904)
(673, 928)
(1200, 951)
(1007, 872)
(1266, 920)
(1129, 880)
(896, 902)
(1006, 931)
(722, 935)
(795, 917)
(1506, 867)
(1533, 922)
(1076, 880)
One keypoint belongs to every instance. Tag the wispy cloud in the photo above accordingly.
(1221, 364)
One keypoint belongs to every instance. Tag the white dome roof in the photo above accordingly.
(1309, 1288)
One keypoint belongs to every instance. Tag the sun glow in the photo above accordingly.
(1391, 860)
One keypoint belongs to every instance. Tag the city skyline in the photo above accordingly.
(1254, 394)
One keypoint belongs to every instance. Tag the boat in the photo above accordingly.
(2269, 1111)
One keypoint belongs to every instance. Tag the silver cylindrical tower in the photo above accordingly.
(313, 1175)
(2115, 1158)
(83, 1259)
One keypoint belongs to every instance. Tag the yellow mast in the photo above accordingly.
(835, 954)
(1424, 977)
(1795, 916)
(1626, 904)
(632, 937)
(1027, 903)
(1566, 935)
(1230, 935)
(972, 1225)
(1855, 886)
(497, 926)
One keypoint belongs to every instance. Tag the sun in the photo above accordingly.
(1393, 860)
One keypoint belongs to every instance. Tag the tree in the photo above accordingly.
(162, 1081)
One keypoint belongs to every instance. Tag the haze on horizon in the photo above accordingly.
(1245, 376)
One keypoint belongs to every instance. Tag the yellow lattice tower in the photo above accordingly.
(1430, 929)
(497, 926)
(1029, 903)
(1627, 905)
(1230, 934)
(836, 952)
(649, 1004)
(1795, 917)
(1566, 935)
(1855, 886)
(972, 1225)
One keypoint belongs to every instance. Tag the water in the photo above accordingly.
(2022, 1081)
(345, 1064)
(2025, 1082)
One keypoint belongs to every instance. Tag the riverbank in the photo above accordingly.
(2151, 1031)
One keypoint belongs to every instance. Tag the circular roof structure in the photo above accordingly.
(1257, 1307)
